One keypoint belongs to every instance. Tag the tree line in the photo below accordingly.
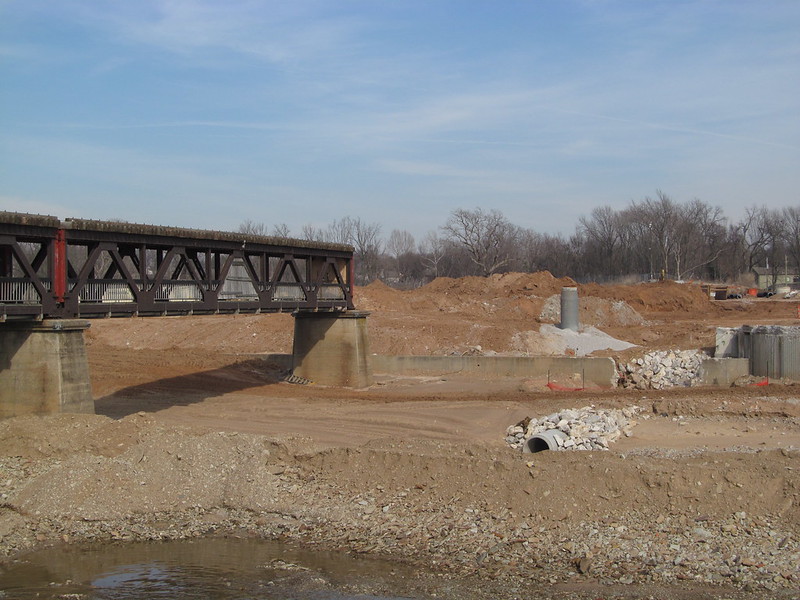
(653, 238)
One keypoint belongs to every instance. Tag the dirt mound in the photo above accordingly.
(377, 296)
(665, 296)
(540, 284)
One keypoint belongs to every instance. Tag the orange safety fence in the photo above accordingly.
(561, 388)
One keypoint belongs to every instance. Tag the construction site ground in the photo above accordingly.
(196, 434)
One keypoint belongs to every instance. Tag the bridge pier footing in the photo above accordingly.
(43, 368)
(332, 348)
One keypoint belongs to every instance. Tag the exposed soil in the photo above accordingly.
(196, 434)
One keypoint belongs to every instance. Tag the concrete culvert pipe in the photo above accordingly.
(546, 440)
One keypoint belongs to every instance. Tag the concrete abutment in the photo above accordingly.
(44, 368)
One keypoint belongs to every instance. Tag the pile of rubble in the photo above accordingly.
(662, 369)
(585, 428)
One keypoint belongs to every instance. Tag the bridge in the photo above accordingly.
(81, 268)
(55, 274)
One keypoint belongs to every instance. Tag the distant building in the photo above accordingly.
(766, 278)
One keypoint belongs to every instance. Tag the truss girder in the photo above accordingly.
(54, 269)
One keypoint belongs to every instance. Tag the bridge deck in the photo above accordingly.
(83, 268)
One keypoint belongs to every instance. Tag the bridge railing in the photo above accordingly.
(17, 290)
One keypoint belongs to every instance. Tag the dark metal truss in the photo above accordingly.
(80, 268)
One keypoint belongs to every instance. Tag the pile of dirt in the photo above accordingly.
(663, 296)
(448, 295)
(541, 284)
(454, 316)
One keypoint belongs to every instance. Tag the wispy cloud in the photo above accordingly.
(428, 169)
(277, 32)
(168, 125)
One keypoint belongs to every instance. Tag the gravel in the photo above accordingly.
(586, 428)
(458, 510)
(662, 369)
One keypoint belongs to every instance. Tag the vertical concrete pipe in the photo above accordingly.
(569, 308)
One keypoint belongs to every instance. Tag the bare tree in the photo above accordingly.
(252, 228)
(603, 240)
(399, 245)
(341, 231)
(699, 238)
(488, 237)
(532, 251)
(754, 236)
(545, 252)
(315, 234)
(368, 247)
(280, 230)
(661, 218)
(791, 219)
(432, 248)
(400, 242)
(774, 233)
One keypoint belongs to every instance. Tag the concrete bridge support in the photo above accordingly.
(43, 368)
(332, 348)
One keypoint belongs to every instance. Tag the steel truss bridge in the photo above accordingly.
(82, 268)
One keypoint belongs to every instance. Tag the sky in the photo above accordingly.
(208, 113)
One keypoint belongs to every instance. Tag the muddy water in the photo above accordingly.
(213, 569)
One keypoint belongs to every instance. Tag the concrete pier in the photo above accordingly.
(43, 368)
(332, 348)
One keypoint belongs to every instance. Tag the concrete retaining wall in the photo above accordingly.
(599, 372)
(589, 371)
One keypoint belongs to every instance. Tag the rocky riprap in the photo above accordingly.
(586, 428)
(662, 369)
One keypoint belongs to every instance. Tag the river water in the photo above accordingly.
(213, 569)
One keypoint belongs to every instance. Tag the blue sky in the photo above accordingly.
(204, 113)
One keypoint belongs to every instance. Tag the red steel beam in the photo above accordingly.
(60, 266)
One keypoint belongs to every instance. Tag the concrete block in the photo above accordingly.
(723, 371)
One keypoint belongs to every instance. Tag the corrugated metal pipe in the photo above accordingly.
(774, 351)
